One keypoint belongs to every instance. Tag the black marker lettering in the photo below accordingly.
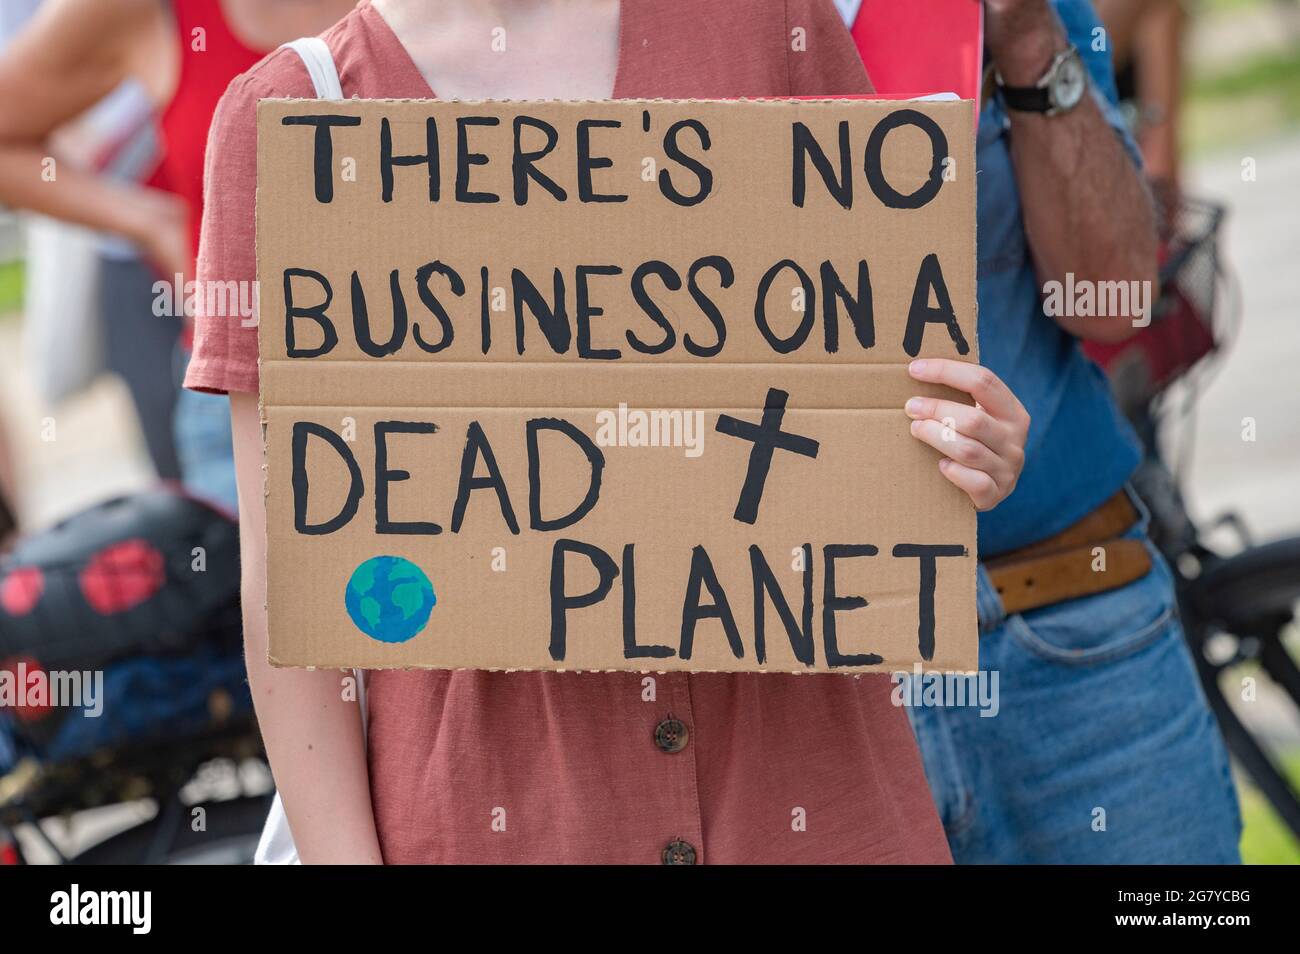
(361, 318)
(387, 160)
(384, 476)
(561, 602)
(465, 159)
(299, 480)
(553, 320)
(859, 308)
(702, 574)
(874, 168)
(587, 162)
(726, 278)
(927, 554)
(316, 313)
(524, 166)
(930, 277)
(703, 174)
(431, 302)
(476, 446)
(595, 460)
(485, 313)
(801, 332)
(765, 582)
(323, 151)
(673, 282)
(832, 603)
(630, 648)
(584, 311)
(767, 437)
(806, 147)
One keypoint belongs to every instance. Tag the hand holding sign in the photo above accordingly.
(984, 445)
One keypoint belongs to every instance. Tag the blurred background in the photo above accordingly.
(1243, 102)
(1224, 419)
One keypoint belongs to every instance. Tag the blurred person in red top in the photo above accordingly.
(184, 53)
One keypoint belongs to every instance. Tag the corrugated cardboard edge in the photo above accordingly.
(853, 673)
(261, 409)
(777, 100)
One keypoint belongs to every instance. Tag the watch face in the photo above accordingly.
(1069, 83)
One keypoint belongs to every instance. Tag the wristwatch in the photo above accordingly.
(1059, 91)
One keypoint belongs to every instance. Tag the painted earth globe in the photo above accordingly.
(389, 598)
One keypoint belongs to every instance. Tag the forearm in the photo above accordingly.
(314, 742)
(1086, 209)
(1160, 81)
(313, 734)
(32, 181)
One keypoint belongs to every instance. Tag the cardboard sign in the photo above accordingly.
(613, 385)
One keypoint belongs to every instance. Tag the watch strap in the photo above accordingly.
(1026, 99)
(1041, 97)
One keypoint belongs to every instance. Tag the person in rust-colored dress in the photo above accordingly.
(573, 760)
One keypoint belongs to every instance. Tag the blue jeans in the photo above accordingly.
(205, 447)
(1103, 749)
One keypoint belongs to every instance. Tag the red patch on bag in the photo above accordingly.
(122, 576)
(31, 685)
(21, 590)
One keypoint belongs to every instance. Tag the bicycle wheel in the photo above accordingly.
(1252, 597)
(1257, 588)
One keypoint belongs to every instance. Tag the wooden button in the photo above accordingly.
(671, 735)
(679, 853)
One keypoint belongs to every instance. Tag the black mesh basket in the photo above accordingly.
(1188, 320)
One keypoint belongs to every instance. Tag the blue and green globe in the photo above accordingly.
(389, 599)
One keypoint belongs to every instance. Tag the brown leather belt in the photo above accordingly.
(1088, 557)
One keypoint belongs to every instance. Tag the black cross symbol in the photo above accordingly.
(767, 437)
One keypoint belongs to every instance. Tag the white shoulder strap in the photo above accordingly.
(318, 59)
(276, 845)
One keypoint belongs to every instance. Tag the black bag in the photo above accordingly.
(153, 572)
(8, 522)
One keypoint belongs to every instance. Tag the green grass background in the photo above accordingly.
(11, 288)
(1264, 839)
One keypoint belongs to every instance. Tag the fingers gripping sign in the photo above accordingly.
(983, 445)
